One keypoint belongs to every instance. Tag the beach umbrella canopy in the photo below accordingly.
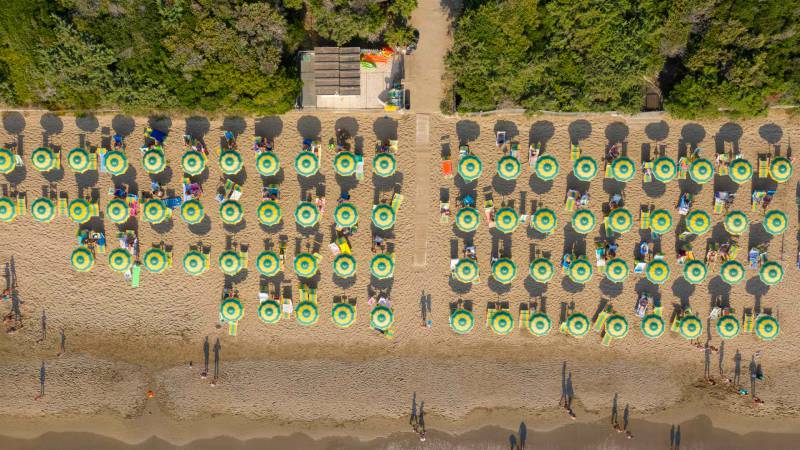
(728, 327)
(620, 220)
(43, 210)
(269, 311)
(193, 163)
(585, 168)
(540, 324)
(506, 220)
(775, 222)
(695, 271)
(653, 326)
(154, 161)
(43, 159)
(583, 221)
(546, 167)
(120, 260)
(306, 164)
(462, 321)
(230, 162)
(501, 322)
(467, 219)
(116, 162)
(740, 171)
(307, 313)
(509, 168)
(578, 325)
(269, 213)
(78, 160)
(660, 221)
(542, 270)
(701, 171)
(383, 216)
(580, 271)
(79, 210)
(466, 270)
(657, 271)
(767, 328)
(343, 314)
(344, 164)
(155, 260)
(617, 270)
(470, 168)
(231, 212)
(267, 164)
(381, 318)
(8, 210)
(268, 264)
(771, 273)
(382, 266)
(231, 310)
(617, 326)
(384, 165)
(306, 214)
(345, 215)
(544, 220)
(192, 211)
(698, 222)
(736, 222)
(691, 327)
(117, 210)
(623, 169)
(344, 265)
(504, 270)
(155, 211)
(82, 259)
(230, 262)
(305, 265)
(664, 169)
(195, 263)
(732, 272)
(780, 169)
(7, 161)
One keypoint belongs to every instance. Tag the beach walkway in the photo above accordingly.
(422, 163)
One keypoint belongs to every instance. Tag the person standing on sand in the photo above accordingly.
(217, 348)
(204, 374)
(413, 419)
(614, 412)
(42, 376)
(737, 368)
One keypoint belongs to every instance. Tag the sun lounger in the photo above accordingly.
(524, 318)
(722, 164)
(101, 160)
(359, 167)
(644, 219)
(287, 308)
(243, 258)
(675, 326)
(488, 211)
(748, 323)
(639, 267)
(444, 213)
(683, 167)
(397, 200)
(501, 139)
(607, 170)
(136, 272)
(763, 167)
(513, 150)
(533, 154)
(569, 202)
(334, 249)
(173, 202)
(447, 168)
(489, 313)
(101, 242)
(574, 152)
(343, 245)
(601, 320)
(63, 206)
(562, 328)
(647, 171)
(22, 204)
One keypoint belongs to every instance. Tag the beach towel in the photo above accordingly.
(136, 272)
(173, 202)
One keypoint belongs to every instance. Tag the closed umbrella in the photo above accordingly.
(695, 271)
(269, 311)
(701, 171)
(623, 169)
(580, 271)
(780, 169)
(467, 219)
(506, 220)
(383, 216)
(617, 270)
(43, 210)
(230, 263)
(617, 326)
(775, 222)
(305, 265)
(501, 322)
(470, 168)
(345, 215)
(653, 326)
(728, 327)
(154, 161)
(384, 165)
(230, 162)
(585, 168)
(344, 265)
(269, 213)
(195, 263)
(660, 222)
(771, 273)
(117, 210)
(343, 314)
(466, 270)
(193, 163)
(268, 264)
(732, 272)
(620, 220)
(192, 211)
(307, 313)
(544, 220)
(736, 222)
(546, 168)
(382, 266)
(462, 321)
(8, 210)
(767, 328)
(7, 161)
(155, 260)
(344, 164)
(306, 214)
(698, 222)
(542, 270)
(583, 221)
(740, 171)
(120, 260)
(155, 211)
(657, 271)
(381, 318)
(43, 159)
(231, 212)
(664, 169)
(306, 164)
(540, 324)
(82, 259)
(691, 327)
(79, 210)
(116, 163)
(504, 270)
(78, 160)
(267, 164)
(577, 325)
(509, 168)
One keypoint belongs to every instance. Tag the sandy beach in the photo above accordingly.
(322, 381)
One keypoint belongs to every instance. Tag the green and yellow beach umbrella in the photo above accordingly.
(384, 165)
(344, 265)
(344, 164)
(269, 311)
(664, 169)
(542, 270)
(306, 214)
(306, 164)
(466, 270)
(509, 168)
(501, 322)
(43, 210)
(620, 220)
(195, 263)
(154, 161)
(462, 321)
(780, 169)
(585, 168)
(732, 272)
(43, 159)
(117, 210)
(155, 260)
(617, 326)
(539, 324)
(470, 168)
(193, 163)
(192, 211)
(691, 327)
(583, 221)
(345, 215)
(506, 220)
(617, 270)
(546, 167)
(7, 161)
(230, 162)
(231, 310)
(231, 212)
(116, 162)
(343, 315)
(736, 222)
(728, 327)
(577, 325)
(740, 171)
(155, 211)
(623, 169)
(268, 264)
(653, 326)
(305, 265)
(120, 260)
(767, 328)
(467, 219)
(771, 273)
(230, 263)
(698, 222)
(267, 164)
(269, 213)
(504, 270)
(78, 160)
(8, 210)
(775, 222)
(695, 271)
(660, 222)
(657, 271)
(382, 266)
(381, 318)
(383, 216)
(701, 171)
(544, 220)
(80, 210)
(580, 271)
(82, 259)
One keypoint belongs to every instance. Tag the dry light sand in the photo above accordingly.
(284, 377)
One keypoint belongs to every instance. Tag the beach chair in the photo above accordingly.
(647, 171)
(488, 211)
(533, 154)
(748, 322)
(447, 168)
(501, 139)
(282, 253)
(490, 310)
(101, 160)
(607, 170)
(444, 213)
(243, 257)
(569, 202)
(683, 167)
(22, 204)
(757, 199)
(94, 209)
(343, 245)
(763, 166)
(600, 322)
(334, 249)
(513, 150)
(644, 219)
(722, 164)
(101, 242)
(397, 200)
(639, 267)
(524, 318)
(675, 325)
(359, 166)
(18, 159)
(606, 342)
(136, 273)
(63, 206)
(574, 152)
(287, 308)
(394, 145)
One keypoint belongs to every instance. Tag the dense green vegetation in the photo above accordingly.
(143, 55)
(708, 57)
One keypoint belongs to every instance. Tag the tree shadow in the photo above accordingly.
(617, 132)
(693, 133)
(541, 132)
(309, 127)
(657, 131)
(579, 130)
(123, 125)
(87, 122)
(269, 127)
(467, 131)
(771, 133)
(13, 122)
(385, 129)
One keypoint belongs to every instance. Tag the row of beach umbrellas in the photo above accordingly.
(343, 315)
